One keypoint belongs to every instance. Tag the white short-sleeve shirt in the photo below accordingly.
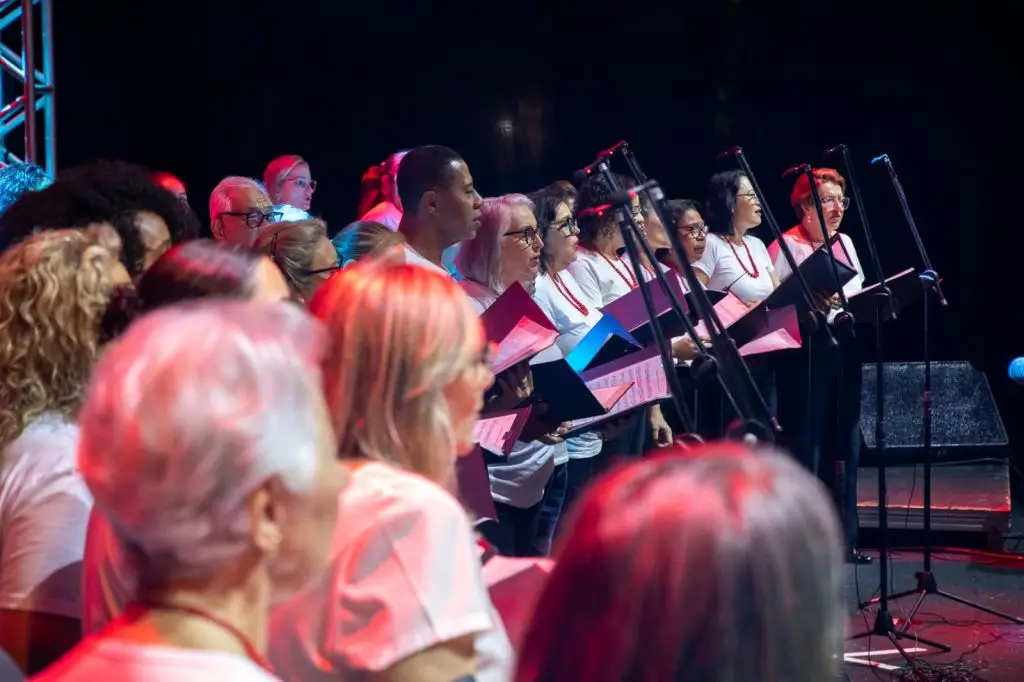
(405, 576)
(44, 509)
(731, 267)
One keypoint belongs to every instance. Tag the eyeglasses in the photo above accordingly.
(255, 219)
(528, 237)
(302, 183)
(831, 201)
(568, 227)
(696, 231)
(750, 196)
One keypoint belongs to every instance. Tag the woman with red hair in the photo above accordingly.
(720, 563)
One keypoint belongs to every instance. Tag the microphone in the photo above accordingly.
(730, 153)
(594, 211)
(838, 148)
(580, 176)
(884, 158)
(726, 290)
(801, 168)
(1016, 371)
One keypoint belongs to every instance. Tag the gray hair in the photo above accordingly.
(220, 201)
(479, 259)
(191, 410)
(292, 247)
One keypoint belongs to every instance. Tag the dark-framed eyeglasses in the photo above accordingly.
(528, 237)
(255, 219)
(307, 273)
(568, 227)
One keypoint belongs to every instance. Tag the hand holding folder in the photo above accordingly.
(906, 290)
(520, 328)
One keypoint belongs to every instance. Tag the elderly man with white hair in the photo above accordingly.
(239, 207)
(206, 444)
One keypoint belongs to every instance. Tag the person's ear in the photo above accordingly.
(430, 202)
(266, 515)
(217, 228)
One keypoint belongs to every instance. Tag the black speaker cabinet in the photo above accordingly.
(965, 421)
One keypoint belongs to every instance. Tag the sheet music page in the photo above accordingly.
(492, 434)
(729, 309)
(888, 280)
(649, 384)
(526, 339)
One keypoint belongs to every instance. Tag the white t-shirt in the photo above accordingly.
(601, 278)
(385, 213)
(519, 479)
(405, 576)
(412, 257)
(802, 248)
(725, 272)
(100, 658)
(572, 326)
(44, 509)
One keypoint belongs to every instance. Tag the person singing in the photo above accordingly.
(824, 382)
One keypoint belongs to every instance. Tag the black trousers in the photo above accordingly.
(514, 533)
(819, 389)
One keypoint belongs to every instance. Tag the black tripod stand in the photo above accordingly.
(884, 626)
(926, 582)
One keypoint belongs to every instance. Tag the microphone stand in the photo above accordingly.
(926, 582)
(703, 368)
(621, 201)
(884, 626)
(733, 369)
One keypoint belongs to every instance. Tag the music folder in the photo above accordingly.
(905, 287)
(714, 296)
(817, 270)
(498, 432)
(631, 313)
(520, 328)
(644, 375)
(475, 486)
(756, 329)
(606, 341)
(566, 395)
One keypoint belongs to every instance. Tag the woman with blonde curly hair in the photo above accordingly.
(54, 289)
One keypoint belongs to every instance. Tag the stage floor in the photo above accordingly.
(991, 648)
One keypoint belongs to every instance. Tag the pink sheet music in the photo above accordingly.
(609, 395)
(492, 434)
(525, 340)
(784, 334)
(649, 385)
(729, 309)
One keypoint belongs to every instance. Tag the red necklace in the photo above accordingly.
(756, 273)
(247, 646)
(567, 295)
(626, 276)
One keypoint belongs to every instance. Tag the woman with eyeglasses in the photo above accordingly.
(303, 252)
(823, 383)
(288, 181)
(507, 250)
(574, 313)
(734, 260)
(693, 233)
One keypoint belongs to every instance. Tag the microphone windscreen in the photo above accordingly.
(1016, 370)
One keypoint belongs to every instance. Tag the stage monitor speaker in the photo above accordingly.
(965, 421)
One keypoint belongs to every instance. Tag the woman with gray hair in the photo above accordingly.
(695, 566)
(206, 443)
(506, 250)
(302, 251)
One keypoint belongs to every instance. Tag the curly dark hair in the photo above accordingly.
(595, 192)
(19, 178)
(112, 192)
